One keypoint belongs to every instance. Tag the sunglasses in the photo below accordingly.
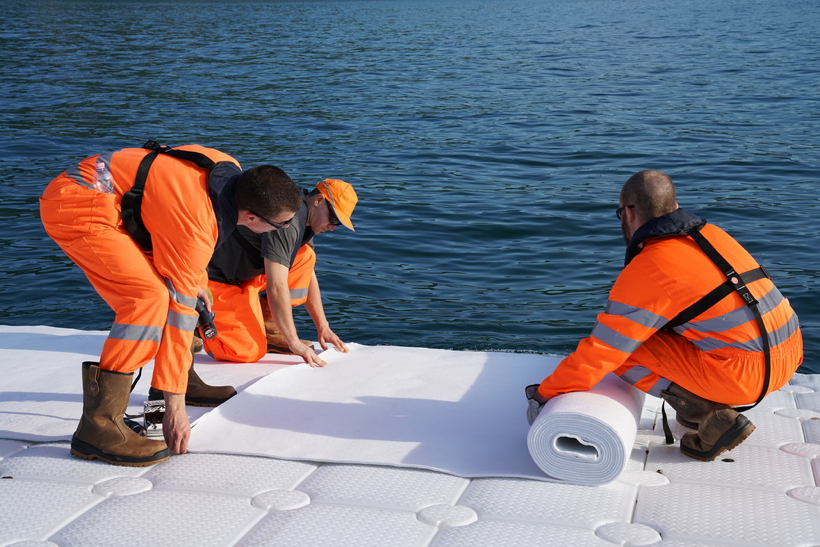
(276, 225)
(332, 218)
(619, 211)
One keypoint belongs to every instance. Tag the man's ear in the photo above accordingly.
(631, 215)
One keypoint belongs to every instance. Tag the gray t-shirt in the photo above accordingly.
(241, 256)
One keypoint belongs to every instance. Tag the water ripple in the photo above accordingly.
(487, 141)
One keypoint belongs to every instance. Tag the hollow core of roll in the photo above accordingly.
(575, 447)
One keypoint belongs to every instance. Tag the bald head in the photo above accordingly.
(651, 192)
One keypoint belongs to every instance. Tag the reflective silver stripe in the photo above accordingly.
(661, 385)
(638, 373)
(180, 298)
(298, 293)
(771, 300)
(181, 321)
(638, 315)
(737, 317)
(725, 322)
(756, 344)
(784, 333)
(137, 333)
(330, 196)
(614, 338)
(74, 173)
(709, 344)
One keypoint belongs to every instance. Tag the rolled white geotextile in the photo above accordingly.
(586, 437)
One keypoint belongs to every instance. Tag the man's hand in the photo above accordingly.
(205, 295)
(535, 402)
(307, 354)
(175, 425)
(326, 335)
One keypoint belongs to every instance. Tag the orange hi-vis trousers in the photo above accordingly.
(86, 225)
(153, 294)
(238, 315)
(667, 358)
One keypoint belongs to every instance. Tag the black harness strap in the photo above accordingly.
(719, 293)
(667, 431)
(738, 283)
(131, 204)
(735, 282)
(200, 160)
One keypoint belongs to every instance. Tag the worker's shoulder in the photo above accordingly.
(212, 153)
(668, 258)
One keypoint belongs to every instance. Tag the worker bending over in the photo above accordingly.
(142, 223)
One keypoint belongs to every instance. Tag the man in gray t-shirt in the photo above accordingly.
(281, 263)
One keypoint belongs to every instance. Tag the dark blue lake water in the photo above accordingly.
(487, 140)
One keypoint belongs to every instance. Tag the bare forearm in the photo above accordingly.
(282, 311)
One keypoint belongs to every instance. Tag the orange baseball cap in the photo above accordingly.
(342, 198)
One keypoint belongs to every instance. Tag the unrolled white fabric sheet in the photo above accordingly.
(454, 411)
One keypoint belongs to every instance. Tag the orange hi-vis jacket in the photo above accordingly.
(717, 354)
(153, 294)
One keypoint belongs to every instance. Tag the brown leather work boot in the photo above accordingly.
(720, 427)
(689, 408)
(201, 394)
(196, 344)
(721, 431)
(102, 433)
(276, 342)
(198, 393)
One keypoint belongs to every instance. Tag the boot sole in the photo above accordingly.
(156, 395)
(736, 434)
(85, 451)
(206, 402)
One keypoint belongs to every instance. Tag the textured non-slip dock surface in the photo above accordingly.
(764, 493)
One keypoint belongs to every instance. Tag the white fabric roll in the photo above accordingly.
(586, 437)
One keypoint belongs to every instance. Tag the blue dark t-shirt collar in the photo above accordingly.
(677, 223)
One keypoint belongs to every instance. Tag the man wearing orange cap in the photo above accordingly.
(281, 263)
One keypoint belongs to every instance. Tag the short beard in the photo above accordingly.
(627, 238)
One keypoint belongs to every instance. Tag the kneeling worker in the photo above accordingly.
(692, 318)
(143, 223)
(282, 263)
